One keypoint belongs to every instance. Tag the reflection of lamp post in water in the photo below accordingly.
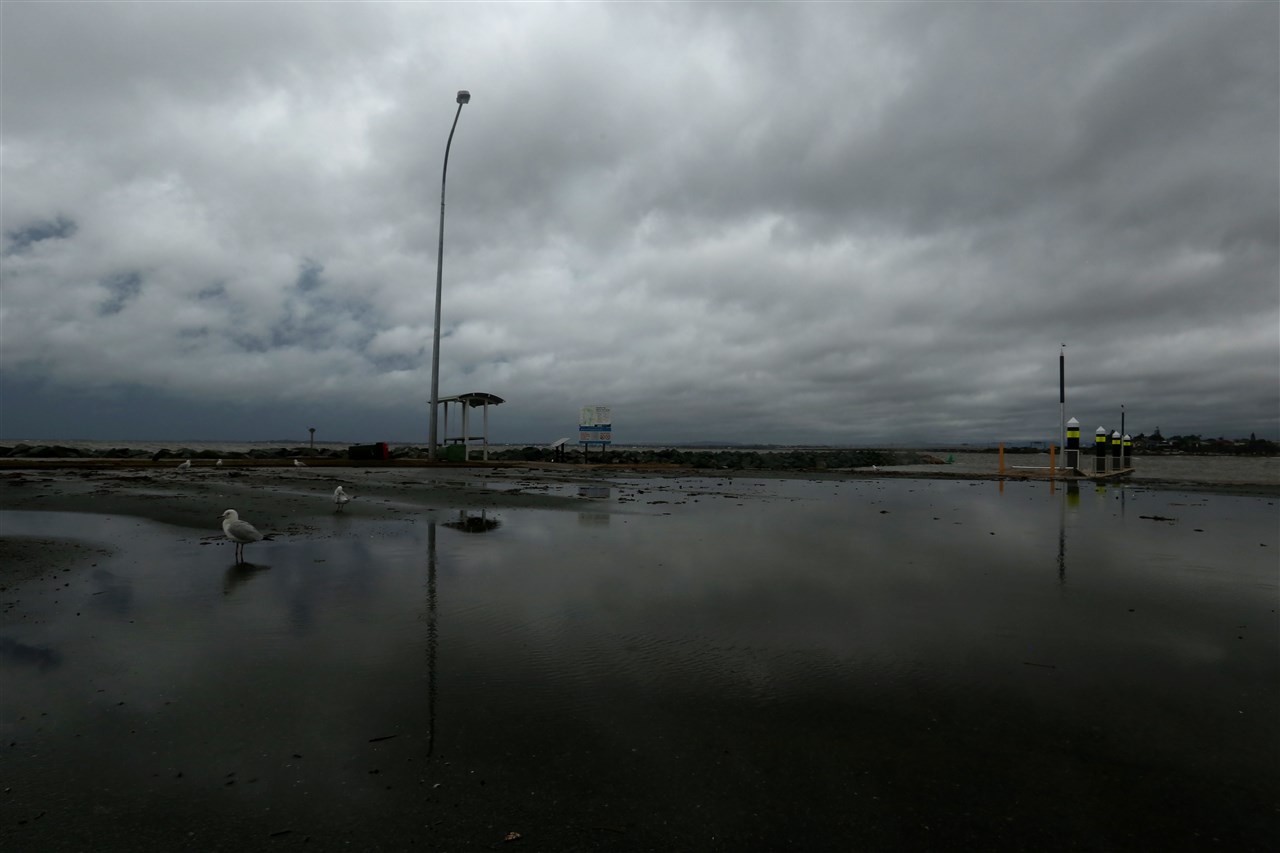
(466, 523)
(433, 637)
(1062, 540)
(1072, 500)
(463, 97)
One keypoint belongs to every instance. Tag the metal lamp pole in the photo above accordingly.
(463, 97)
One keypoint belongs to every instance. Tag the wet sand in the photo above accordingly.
(262, 489)
(953, 703)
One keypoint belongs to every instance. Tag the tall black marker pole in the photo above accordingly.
(1062, 396)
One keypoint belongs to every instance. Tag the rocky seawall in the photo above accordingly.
(772, 460)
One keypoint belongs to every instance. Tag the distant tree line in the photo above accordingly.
(1156, 444)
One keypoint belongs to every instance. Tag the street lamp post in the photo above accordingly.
(463, 97)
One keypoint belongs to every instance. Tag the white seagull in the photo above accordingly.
(340, 498)
(298, 463)
(185, 465)
(218, 463)
(239, 532)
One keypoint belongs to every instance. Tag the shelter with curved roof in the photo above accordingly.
(467, 402)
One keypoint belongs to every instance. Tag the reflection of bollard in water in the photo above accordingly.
(1073, 494)
(1115, 451)
(1073, 445)
(1100, 451)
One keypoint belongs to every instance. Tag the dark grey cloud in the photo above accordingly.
(774, 222)
(121, 290)
(24, 235)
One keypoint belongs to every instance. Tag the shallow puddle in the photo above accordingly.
(679, 664)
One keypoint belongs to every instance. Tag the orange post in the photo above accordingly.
(1002, 457)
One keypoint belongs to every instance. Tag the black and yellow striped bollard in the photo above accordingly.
(1073, 445)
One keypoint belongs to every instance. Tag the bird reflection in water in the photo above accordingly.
(238, 574)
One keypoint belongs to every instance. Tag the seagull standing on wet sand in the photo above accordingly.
(340, 498)
(298, 463)
(218, 463)
(185, 465)
(239, 532)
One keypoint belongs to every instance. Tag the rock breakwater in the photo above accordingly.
(723, 459)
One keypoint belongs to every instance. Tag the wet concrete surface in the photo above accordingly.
(655, 664)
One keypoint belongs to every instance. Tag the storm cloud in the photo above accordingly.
(834, 223)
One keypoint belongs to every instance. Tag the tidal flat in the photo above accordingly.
(635, 663)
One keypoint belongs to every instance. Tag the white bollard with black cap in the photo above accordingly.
(1072, 460)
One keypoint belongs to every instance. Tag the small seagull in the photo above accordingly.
(239, 532)
(298, 463)
(340, 498)
(218, 463)
(185, 465)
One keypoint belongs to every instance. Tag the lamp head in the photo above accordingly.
(464, 97)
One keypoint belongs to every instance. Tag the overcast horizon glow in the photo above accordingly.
(846, 224)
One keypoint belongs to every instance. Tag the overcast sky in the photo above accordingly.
(791, 223)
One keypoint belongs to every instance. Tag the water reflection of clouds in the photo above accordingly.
(321, 585)
(880, 591)
(809, 588)
(111, 593)
(778, 576)
(40, 657)
(167, 610)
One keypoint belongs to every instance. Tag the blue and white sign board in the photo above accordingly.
(595, 426)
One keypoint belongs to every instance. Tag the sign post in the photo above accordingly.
(595, 426)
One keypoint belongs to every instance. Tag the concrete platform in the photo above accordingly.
(1029, 473)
